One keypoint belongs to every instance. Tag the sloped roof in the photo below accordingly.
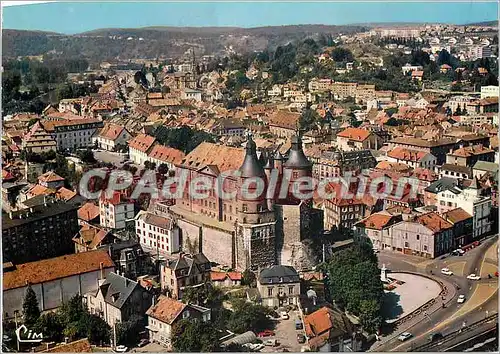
(142, 142)
(56, 268)
(357, 134)
(166, 154)
(225, 158)
(456, 215)
(50, 176)
(272, 275)
(326, 323)
(434, 222)
(401, 153)
(166, 309)
(284, 119)
(377, 221)
(117, 289)
(111, 131)
(88, 211)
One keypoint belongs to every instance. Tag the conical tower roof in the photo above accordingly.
(251, 166)
(296, 156)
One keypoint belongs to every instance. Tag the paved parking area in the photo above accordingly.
(109, 157)
(150, 348)
(286, 334)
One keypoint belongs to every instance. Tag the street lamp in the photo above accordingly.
(15, 320)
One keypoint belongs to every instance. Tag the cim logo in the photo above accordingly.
(28, 336)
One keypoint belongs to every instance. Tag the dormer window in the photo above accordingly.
(281, 280)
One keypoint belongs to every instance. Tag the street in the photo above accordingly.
(481, 296)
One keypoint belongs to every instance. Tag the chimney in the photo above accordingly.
(44, 200)
(101, 267)
(66, 340)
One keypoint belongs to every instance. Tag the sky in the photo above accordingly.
(77, 17)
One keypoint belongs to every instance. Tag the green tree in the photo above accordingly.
(50, 324)
(31, 311)
(163, 169)
(340, 54)
(127, 333)
(249, 317)
(195, 336)
(354, 283)
(248, 278)
(308, 118)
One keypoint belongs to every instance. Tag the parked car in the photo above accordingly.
(143, 342)
(496, 274)
(266, 333)
(446, 271)
(435, 336)
(473, 277)
(375, 250)
(461, 299)
(404, 336)
(284, 315)
(271, 343)
(121, 349)
(298, 324)
(301, 338)
(256, 347)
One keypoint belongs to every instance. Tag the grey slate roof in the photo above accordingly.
(486, 166)
(272, 275)
(116, 289)
(442, 184)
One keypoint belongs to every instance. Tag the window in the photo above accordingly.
(185, 314)
(245, 208)
(290, 290)
(418, 237)
(407, 245)
(269, 291)
(425, 247)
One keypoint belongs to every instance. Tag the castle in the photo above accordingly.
(249, 230)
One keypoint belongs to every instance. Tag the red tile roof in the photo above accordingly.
(221, 276)
(376, 221)
(434, 222)
(142, 142)
(88, 211)
(166, 154)
(56, 268)
(79, 346)
(354, 134)
(401, 153)
(456, 215)
(469, 151)
(111, 131)
(50, 176)
(166, 309)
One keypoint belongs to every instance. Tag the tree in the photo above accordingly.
(127, 333)
(340, 54)
(248, 278)
(72, 310)
(195, 336)
(94, 328)
(249, 317)
(308, 118)
(205, 295)
(163, 169)
(86, 156)
(31, 311)
(391, 111)
(354, 283)
(50, 324)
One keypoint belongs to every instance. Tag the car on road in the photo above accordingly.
(301, 338)
(298, 324)
(461, 299)
(375, 250)
(435, 336)
(143, 342)
(404, 336)
(446, 271)
(256, 347)
(271, 343)
(266, 333)
(121, 349)
(284, 315)
(458, 252)
(473, 277)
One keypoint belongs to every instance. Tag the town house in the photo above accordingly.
(357, 139)
(279, 286)
(139, 148)
(111, 136)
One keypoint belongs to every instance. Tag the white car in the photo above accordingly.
(473, 277)
(256, 347)
(284, 315)
(404, 336)
(461, 299)
(121, 349)
(446, 271)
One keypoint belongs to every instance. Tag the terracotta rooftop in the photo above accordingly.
(411, 141)
(50, 176)
(354, 134)
(111, 131)
(65, 194)
(469, 151)
(50, 125)
(166, 309)
(224, 158)
(376, 221)
(456, 215)
(284, 119)
(142, 142)
(56, 268)
(166, 154)
(78, 346)
(434, 222)
(325, 324)
(88, 211)
(401, 153)
(221, 276)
